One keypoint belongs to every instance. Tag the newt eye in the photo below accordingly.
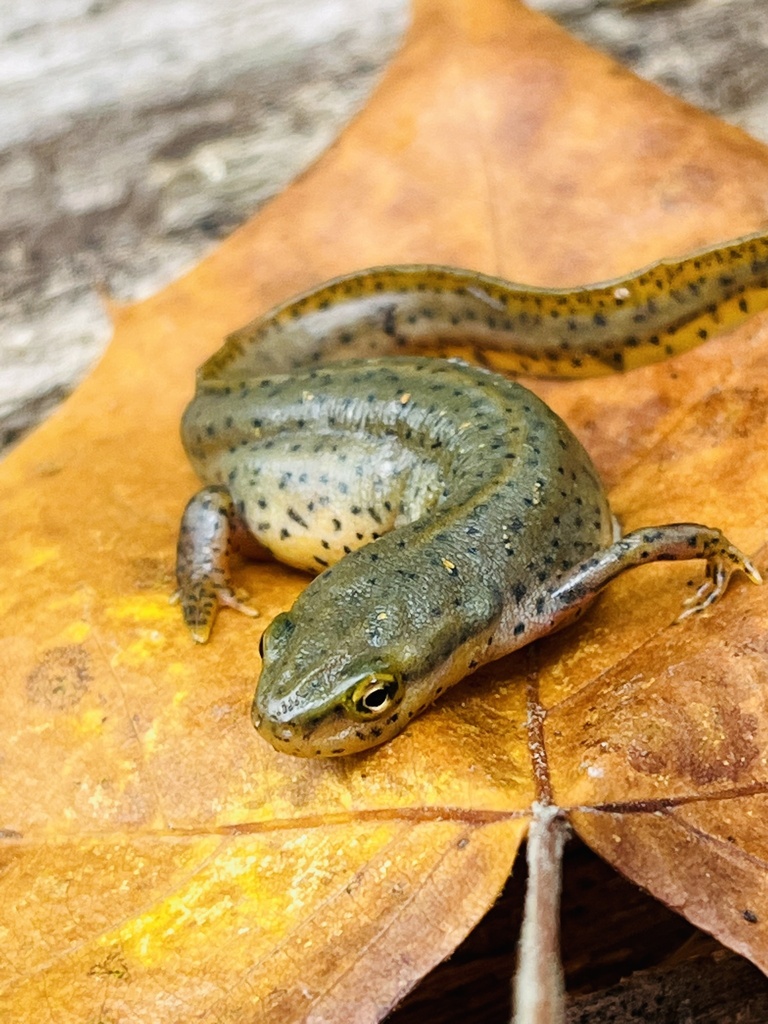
(375, 694)
(261, 647)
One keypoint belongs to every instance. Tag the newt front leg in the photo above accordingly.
(208, 527)
(677, 542)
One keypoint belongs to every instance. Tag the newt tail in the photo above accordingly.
(649, 315)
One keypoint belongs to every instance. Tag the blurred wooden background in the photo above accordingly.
(134, 134)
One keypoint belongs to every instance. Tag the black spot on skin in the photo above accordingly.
(294, 515)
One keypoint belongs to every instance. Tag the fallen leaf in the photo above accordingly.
(159, 861)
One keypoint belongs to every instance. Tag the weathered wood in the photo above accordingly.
(133, 134)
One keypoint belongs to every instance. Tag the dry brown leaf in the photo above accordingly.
(159, 861)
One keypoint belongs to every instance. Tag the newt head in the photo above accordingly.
(353, 661)
(314, 703)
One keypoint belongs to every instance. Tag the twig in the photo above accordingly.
(539, 990)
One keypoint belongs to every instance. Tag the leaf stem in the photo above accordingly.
(539, 989)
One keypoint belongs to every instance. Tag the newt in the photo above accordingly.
(449, 515)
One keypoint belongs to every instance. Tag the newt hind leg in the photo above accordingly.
(674, 542)
(209, 527)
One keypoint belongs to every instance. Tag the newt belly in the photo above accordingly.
(450, 515)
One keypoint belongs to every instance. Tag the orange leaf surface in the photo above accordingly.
(161, 862)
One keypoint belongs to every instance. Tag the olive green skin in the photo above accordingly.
(451, 515)
(512, 502)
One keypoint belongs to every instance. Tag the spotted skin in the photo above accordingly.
(652, 314)
(450, 515)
